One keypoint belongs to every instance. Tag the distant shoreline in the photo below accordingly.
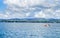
(33, 20)
(8, 21)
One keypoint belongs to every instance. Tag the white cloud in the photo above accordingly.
(24, 8)
(3, 16)
(25, 3)
(40, 15)
(48, 13)
(27, 14)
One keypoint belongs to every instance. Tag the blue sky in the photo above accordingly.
(29, 8)
(2, 5)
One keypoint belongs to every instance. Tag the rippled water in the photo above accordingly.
(29, 30)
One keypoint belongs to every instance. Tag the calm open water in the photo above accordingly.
(29, 30)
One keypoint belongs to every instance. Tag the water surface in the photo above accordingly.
(29, 30)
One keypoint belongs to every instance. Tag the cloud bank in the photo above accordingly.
(32, 8)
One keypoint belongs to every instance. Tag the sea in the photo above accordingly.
(29, 30)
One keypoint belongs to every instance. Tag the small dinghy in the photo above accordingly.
(46, 25)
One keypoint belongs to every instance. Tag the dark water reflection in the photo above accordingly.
(29, 30)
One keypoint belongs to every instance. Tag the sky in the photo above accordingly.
(29, 8)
